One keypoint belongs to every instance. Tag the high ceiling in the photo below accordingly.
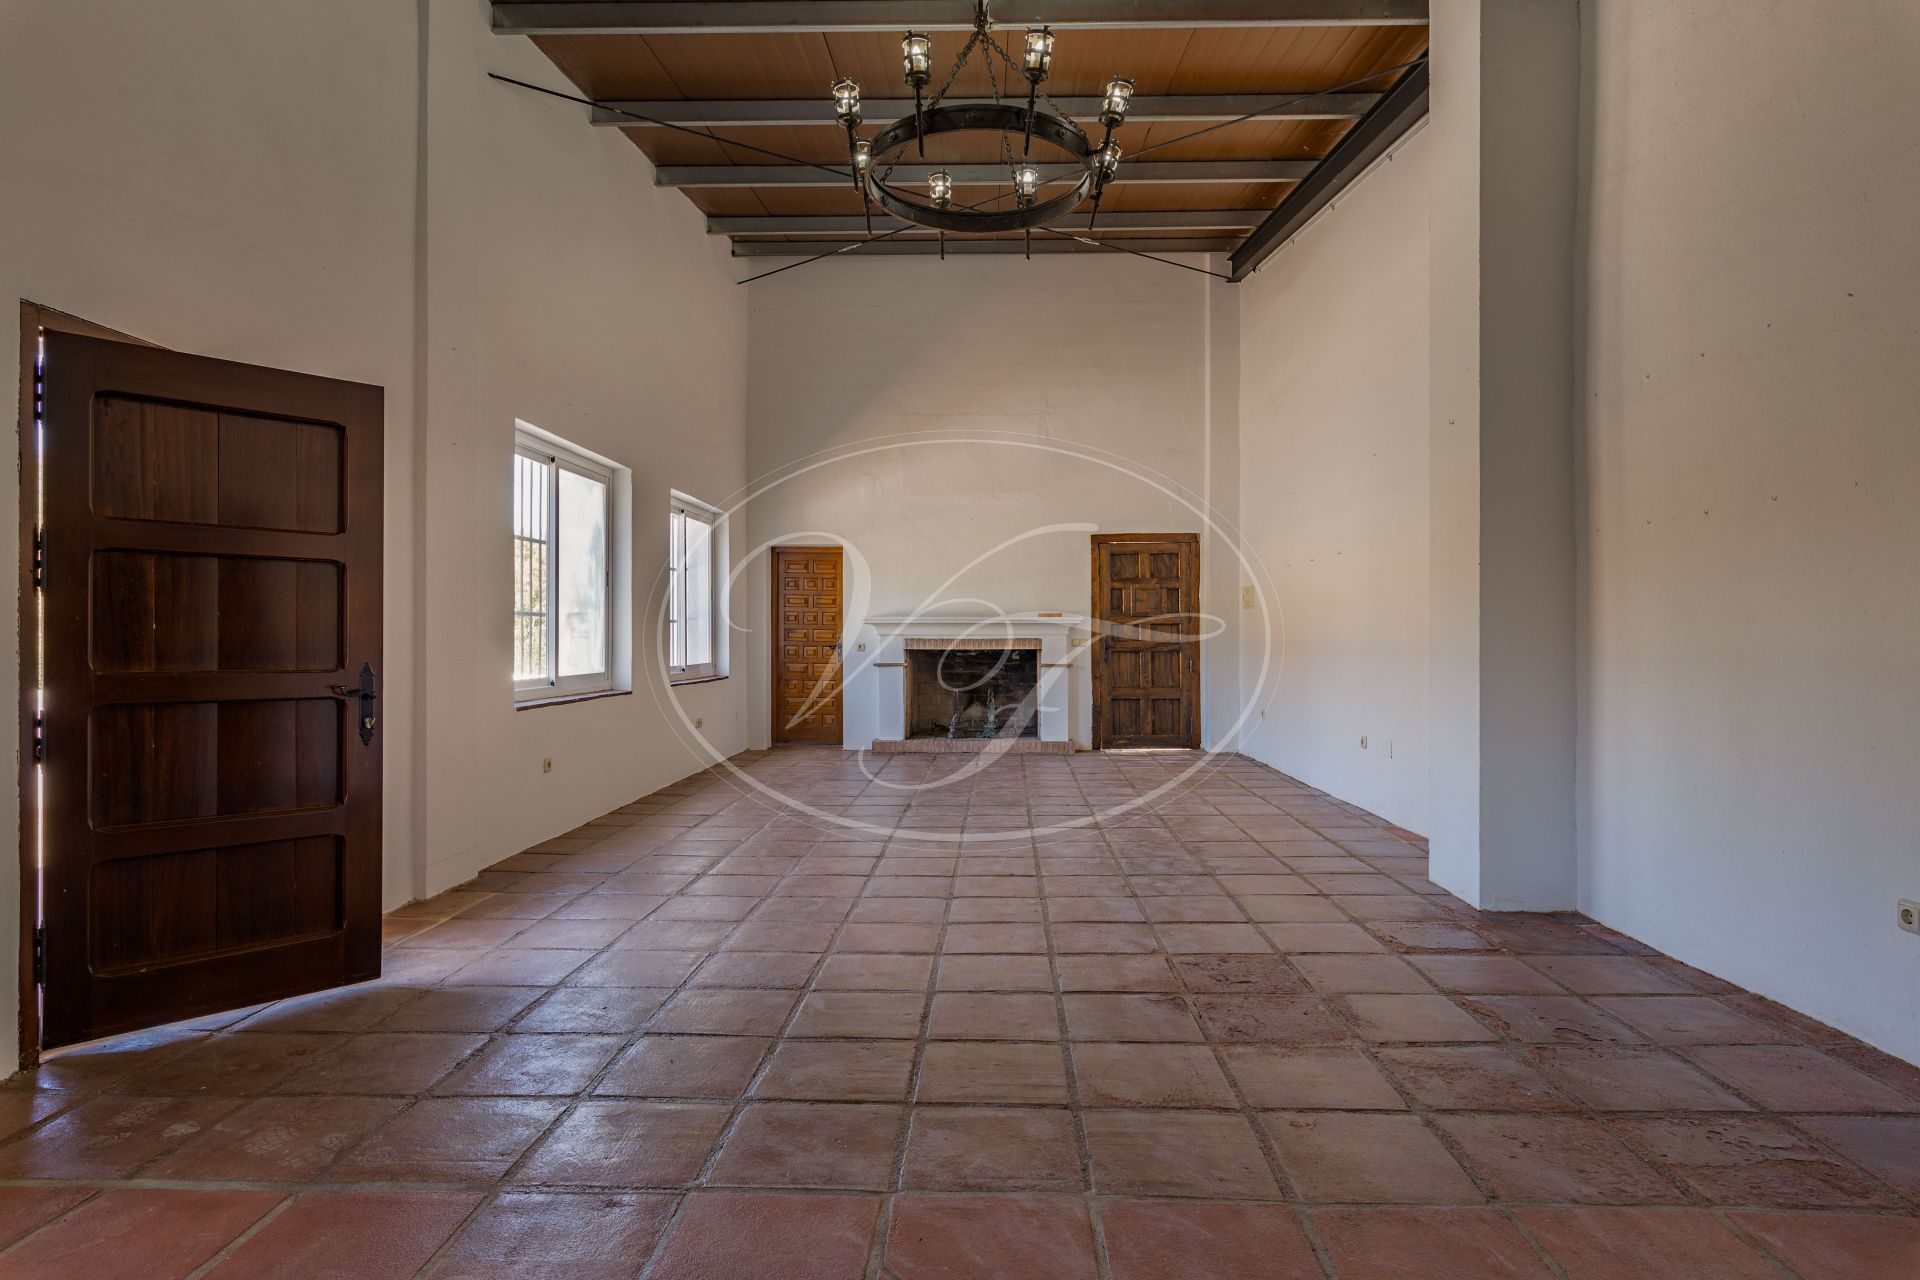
(757, 72)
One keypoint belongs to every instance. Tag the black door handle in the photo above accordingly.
(368, 692)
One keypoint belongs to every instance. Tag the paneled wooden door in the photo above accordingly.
(211, 591)
(807, 674)
(1146, 655)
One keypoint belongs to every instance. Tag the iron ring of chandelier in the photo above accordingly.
(938, 211)
(989, 117)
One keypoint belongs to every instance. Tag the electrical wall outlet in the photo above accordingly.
(1246, 597)
(546, 766)
(1910, 915)
(1363, 742)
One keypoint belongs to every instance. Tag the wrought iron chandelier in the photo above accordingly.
(874, 158)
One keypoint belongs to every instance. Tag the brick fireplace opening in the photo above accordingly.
(970, 693)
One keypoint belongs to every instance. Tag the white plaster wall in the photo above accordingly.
(1454, 564)
(1085, 354)
(1751, 542)
(1228, 695)
(563, 288)
(245, 180)
(1333, 480)
(1503, 141)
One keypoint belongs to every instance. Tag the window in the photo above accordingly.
(563, 504)
(693, 583)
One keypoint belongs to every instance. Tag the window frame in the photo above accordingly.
(558, 457)
(691, 508)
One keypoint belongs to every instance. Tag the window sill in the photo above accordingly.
(562, 699)
(696, 680)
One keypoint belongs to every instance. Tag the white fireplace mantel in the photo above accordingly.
(874, 698)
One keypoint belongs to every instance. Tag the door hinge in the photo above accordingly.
(39, 559)
(39, 955)
(39, 736)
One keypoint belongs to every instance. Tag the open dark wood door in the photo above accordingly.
(1146, 656)
(211, 747)
(807, 674)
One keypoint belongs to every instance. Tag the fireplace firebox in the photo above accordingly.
(973, 693)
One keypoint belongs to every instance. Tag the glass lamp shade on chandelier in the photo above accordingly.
(1090, 168)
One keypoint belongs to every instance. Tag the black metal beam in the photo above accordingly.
(843, 224)
(741, 17)
(965, 244)
(974, 175)
(819, 111)
(1399, 109)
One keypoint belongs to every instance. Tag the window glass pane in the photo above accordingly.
(530, 568)
(699, 579)
(676, 590)
(580, 575)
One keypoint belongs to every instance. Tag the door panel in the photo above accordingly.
(807, 674)
(158, 611)
(150, 462)
(1146, 659)
(212, 577)
(174, 761)
(213, 901)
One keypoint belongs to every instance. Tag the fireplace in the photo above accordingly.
(966, 693)
(1026, 672)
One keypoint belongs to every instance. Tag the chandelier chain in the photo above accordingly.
(966, 51)
(1039, 90)
(980, 24)
(1006, 143)
(993, 82)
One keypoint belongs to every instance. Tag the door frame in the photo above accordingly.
(774, 737)
(35, 317)
(1097, 663)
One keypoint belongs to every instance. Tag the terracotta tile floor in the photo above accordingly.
(1232, 1033)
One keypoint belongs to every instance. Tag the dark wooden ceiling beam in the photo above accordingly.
(1042, 243)
(742, 17)
(1202, 107)
(1399, 109)
(843, 224)
(975, 175)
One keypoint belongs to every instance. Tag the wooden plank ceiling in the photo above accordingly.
(1251, 65)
